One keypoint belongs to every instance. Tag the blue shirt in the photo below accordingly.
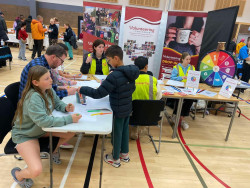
(174, 74)
(243, 53)
(42, 62)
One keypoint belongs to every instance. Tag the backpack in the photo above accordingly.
(73, 40)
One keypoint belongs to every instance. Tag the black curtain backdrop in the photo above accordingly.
(219, 28)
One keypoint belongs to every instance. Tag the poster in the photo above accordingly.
(140, 34)
(184, 33)
(228, 87)
(193, 79)
(100, 21)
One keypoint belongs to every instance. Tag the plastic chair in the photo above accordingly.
(148, 113)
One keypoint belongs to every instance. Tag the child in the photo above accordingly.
(119, 85)
(179, 73)
(22, 36)
(34, 112)
(59, 80)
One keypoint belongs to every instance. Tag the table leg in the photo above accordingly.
(50, 158)
(178, 114)
(232, 119)
(101, 165)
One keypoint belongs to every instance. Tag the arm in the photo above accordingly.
(108, 85)
(85, 66)
(174, 75)
(41, 29)
(60, 93)
(5, 27)
(59, 105)
(37, 112)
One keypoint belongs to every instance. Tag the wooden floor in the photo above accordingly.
(199, 157)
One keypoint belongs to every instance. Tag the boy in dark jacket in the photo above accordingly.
(119, 85)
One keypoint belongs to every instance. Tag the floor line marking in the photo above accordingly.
(70, 162)
(197, 160)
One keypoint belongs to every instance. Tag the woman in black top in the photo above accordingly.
(67, 35)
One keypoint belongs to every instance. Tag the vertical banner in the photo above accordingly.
(100, 21)
(184, 33)
(140, 34)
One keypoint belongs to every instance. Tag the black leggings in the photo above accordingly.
(187, 103)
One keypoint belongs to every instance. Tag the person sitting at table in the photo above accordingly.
(143, 91)
(34, 113)
(179, 73)
(96, 63)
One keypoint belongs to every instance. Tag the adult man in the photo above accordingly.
(54, 57)
(38, 35)
(146, 87)
(244, 54)
(3, 28)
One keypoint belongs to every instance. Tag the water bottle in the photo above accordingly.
(240, 76)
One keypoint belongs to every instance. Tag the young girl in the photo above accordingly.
(179, 73)
(33, 113)
(22, 36)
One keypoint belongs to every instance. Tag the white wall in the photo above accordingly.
(209, 6)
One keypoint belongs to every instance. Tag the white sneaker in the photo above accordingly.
(184, 125)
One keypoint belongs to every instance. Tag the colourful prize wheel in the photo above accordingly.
(215, 67)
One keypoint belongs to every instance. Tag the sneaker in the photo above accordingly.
(109, 159)
(66, 146)
(24, 59)
(27, 183)
(56, 158)
(70, 58)
(184, 125)
(124, 157)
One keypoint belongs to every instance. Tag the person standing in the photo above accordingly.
(244, 55)
(67, 35)
(28, 31)
(53, 32)
(22, 36)
(3, 29)
(38, 35)
(240, 45)
(232, 46)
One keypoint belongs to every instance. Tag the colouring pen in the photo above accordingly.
(94, 111)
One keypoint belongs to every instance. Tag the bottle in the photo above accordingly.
(240, 76)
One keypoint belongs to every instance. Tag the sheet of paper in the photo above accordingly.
(188, 91)
(193, 79)
(91, 83)
(175, 83)
(160, 82)
(101, 77)
(96, 104)
(170, 89)
(84, 77)
(228, 87)
(208, 93)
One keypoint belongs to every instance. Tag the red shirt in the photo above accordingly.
(22, 34)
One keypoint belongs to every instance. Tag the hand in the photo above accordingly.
(78, 89)
(76, 117)
(70, 108)
(171, 35)
(89, 59)
(78, 75)
(71, 91)
(184, 77)
(73, 82)
(195, 38)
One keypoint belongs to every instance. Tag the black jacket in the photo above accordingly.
(120, 85)
(86, 66)
(28, 25)
(67, 35)
(3, 29)
(54, 33)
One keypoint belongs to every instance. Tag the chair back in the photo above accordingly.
(7, 113)
(146, 112)
(11, 92)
